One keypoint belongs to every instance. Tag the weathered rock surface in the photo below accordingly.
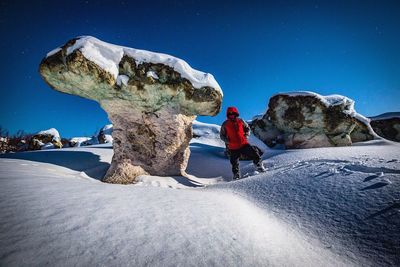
(150, 98)
(45, 140)
(387, 125)
(306, 120)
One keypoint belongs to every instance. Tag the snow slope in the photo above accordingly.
(314, 207)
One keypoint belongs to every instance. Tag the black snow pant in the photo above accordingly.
(246, 150)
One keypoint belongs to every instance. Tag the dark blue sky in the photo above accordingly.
(254, 49)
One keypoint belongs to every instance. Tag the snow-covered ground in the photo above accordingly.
(313, 207)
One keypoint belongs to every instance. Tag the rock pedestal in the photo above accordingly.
(150, 98)
(148, 143)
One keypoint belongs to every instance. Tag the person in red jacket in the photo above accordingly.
(234, 132)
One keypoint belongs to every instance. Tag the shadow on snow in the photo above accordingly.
(81, 161)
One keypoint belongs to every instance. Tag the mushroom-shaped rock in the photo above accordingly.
(307, 119)
(150, 98)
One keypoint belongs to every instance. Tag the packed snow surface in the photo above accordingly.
(107, 56)
(313, 207)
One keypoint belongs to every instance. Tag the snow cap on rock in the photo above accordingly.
(121, 67)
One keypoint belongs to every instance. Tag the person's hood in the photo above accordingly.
(232, 110)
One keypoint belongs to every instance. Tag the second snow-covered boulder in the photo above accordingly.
(387, 125)
(45, 140)
(306, 120)
(150, 98)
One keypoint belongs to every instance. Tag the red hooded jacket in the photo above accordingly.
(234, 132)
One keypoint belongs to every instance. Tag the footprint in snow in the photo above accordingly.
(370, 170)
(377, 185)
(394, 207)
(250, 174)
(324, 174)
(371, 177)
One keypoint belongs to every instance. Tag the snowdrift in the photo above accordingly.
(314, 207)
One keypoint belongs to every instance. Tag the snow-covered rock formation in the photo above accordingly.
(150, 98)
(387, 125)
(3, 144)
(46, 139)
(83, 141)
(105, 134)
(306, 120)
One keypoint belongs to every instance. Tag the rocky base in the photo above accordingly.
(147, 143)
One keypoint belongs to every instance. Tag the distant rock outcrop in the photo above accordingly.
(3, 145)
(83, 141)
(65, 142)
(45, 140)
(387, 125)
(306, 120)
(150, 98)
(105, 134)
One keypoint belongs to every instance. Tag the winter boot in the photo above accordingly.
(236, 176)
(260, 167)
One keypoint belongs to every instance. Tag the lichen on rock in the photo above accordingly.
(150, 98)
